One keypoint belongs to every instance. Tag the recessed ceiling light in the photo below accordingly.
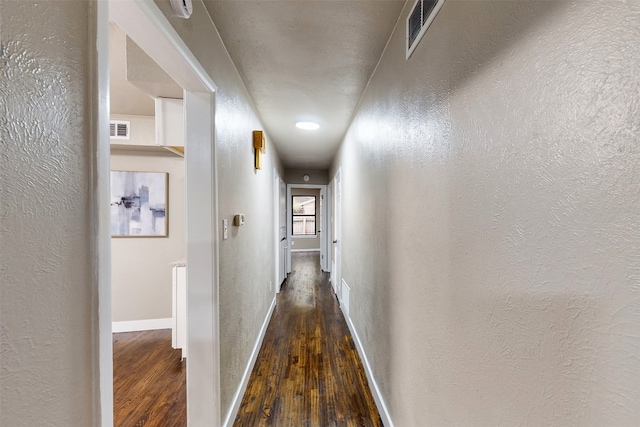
(307, 125)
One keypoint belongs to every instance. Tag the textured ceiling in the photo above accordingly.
(305, 60)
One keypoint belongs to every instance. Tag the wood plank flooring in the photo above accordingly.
(149, 381)
(308, 372)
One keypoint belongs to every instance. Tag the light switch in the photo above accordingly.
(225, 230)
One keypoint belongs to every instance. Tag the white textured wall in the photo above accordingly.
(295, 176)
(496, 280)
(247, 263)
(48, 312)
(140, 266)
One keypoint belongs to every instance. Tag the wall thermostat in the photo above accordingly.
(182, 8)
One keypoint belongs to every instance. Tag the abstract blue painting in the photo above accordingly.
(139, 204)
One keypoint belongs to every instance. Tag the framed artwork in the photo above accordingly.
(139, 204)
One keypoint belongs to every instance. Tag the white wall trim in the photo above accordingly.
(375, 390)
(141, 325)
(237, 398)
(100, 184)
(305, 250)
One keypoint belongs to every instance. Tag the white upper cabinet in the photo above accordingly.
(169, 122)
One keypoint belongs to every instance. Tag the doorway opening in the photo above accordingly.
(147, 209)
(148, 28)
(307, 222)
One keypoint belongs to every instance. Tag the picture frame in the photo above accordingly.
(139, 204)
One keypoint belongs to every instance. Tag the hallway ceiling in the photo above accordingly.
(305, 60)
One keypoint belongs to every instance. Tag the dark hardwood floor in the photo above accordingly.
(149, 381)
(308, 372)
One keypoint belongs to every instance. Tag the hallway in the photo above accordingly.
(308, 372)
(485, 184)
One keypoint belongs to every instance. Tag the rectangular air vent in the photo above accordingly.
(422, 14)
(119, 129)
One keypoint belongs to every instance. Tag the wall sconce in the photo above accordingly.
(260, 146)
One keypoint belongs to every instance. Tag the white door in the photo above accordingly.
(287, 264)
(337, 228)
(323, 229)
(282, 235)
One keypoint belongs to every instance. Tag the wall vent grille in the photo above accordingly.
(119, 129)
(421, 16)
(346, 298)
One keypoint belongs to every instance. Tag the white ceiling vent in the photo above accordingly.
(119, 129)
(422, 14)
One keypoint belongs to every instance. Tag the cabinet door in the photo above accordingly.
(179, 309)
(174, 307)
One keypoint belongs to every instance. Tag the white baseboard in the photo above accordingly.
(141, 325)
(305, 250)
(375, 390)
(237, 399)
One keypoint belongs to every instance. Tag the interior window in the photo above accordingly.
(304, 215)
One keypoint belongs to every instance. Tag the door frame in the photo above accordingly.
(324, 228)
(147, 26)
